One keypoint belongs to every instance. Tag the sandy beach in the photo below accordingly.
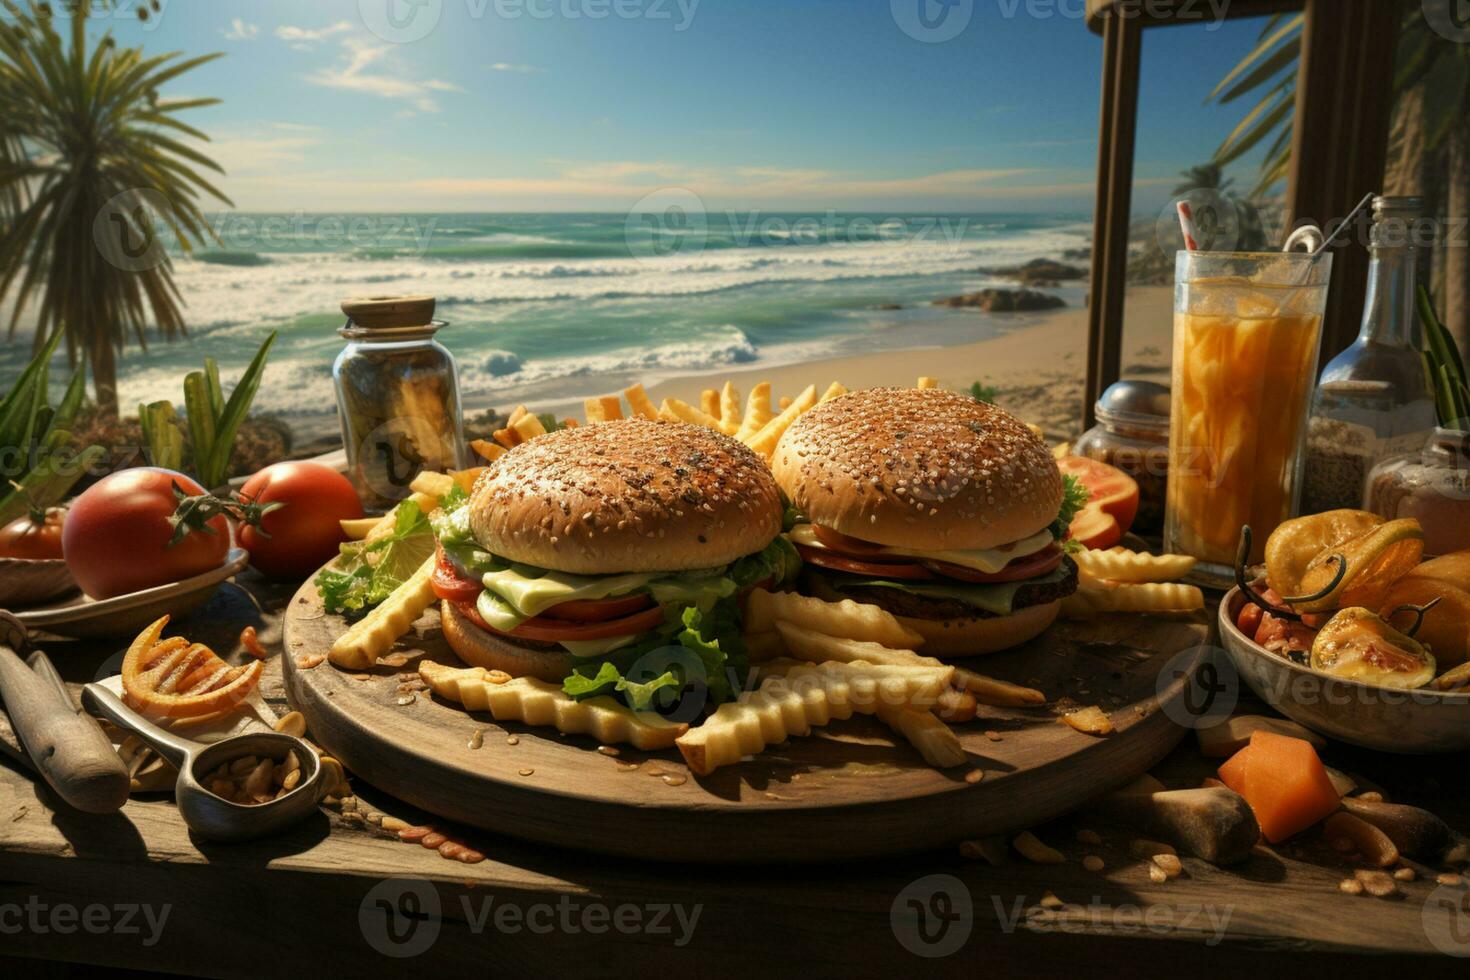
(1039, 365)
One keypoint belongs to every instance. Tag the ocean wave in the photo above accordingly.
(233, 257)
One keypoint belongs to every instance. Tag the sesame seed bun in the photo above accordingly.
(632, 495)
(920, 468)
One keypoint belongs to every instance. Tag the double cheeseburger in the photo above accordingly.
(947, 512)
(610, 558)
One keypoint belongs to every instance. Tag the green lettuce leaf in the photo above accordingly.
(367, 572)
(1074, 498)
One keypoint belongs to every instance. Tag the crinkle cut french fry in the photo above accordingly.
(592, 409)
(784, 402)
(677, 411)
(764, 441)
(1150, 597)
(612, 408)
(834, 389)
(490, 451)
(374, 635)
(815, 647)
(639, 401)
(516, 414)
(709, 403)
(996, 692)
(389, 521)
(507, 437)
(536, 702)
(793, 697)
(729, 409)
(528, 427)
(434, 484)
(857, 620)
(757, 411)
(1122, 565)
(926, 382)
(933, 739)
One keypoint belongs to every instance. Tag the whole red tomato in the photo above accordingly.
(303, 533)
(37, 535)
(116, 536)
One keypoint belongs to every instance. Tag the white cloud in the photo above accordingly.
(245, 156)
(517, 69)
(366, 70)
(306, 38)
(239, 30)
(292, 127)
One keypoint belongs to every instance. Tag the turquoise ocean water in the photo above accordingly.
(544, 308)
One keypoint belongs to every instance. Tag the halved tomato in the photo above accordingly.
(1032, 566)
(468, 611)
(543, 629)
(1110, 509)
(842, 563)
(598, 610)
(448, 583)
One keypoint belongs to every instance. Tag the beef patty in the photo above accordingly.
(913, 606)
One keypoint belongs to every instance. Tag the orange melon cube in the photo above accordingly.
(1284, 782)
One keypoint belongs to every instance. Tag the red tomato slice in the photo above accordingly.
(1046, 560)
(543, 629)
(845, 543)
(1112, 507)
(448, 583)
(598, 610)
(468, 610)
(842, 563)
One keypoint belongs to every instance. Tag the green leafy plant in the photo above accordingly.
(89, 150)
(1446, 368)
(38, 457)
(213, 421)
(162, 435)
(984, 393)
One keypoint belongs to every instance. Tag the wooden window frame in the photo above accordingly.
(1338, 149)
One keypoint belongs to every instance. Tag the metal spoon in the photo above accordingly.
(210, 816)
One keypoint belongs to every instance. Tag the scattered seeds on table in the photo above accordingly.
(1404, 874)
(1451, 879)
(1350, 886)
(1032, 849)
(407, 699)
(307, 661)
(1169, 864)
(1379, 884)
(1156, 874)
(1092, 862)
(1145, 849)
(974, 776)
(527, 772)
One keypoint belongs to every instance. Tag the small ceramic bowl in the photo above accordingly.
(1418, 722)
(27, 581)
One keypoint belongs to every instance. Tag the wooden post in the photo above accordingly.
(1122, 37)
(1344, 100)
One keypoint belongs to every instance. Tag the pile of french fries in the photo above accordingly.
(1120, 580)
(753, 419)
(784, 629)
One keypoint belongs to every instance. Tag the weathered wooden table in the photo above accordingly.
(134, 890)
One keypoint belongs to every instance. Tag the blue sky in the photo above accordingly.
(796, 104)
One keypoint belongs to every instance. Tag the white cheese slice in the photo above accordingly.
(533, 596)
(988, 560)
(597, 648)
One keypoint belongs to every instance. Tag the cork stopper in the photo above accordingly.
(389, 312)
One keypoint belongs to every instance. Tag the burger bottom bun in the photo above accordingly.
(480, 648)
(977, 635)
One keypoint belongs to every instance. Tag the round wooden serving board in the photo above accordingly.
(850, 790)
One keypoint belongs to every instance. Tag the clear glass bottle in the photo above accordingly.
(397, 396)
(1374, 400)
(1132, 433)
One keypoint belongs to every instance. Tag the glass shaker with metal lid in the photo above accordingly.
(1132, 433)
(398, 397)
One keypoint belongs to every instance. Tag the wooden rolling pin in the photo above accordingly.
(68, 749)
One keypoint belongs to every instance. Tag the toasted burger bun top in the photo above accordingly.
(920, 468)
(626, 496)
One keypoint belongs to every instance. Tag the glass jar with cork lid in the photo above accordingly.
(398, 397)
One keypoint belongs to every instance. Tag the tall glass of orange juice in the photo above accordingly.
(1247, 326)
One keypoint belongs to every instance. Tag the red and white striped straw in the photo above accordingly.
(1186, 225)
